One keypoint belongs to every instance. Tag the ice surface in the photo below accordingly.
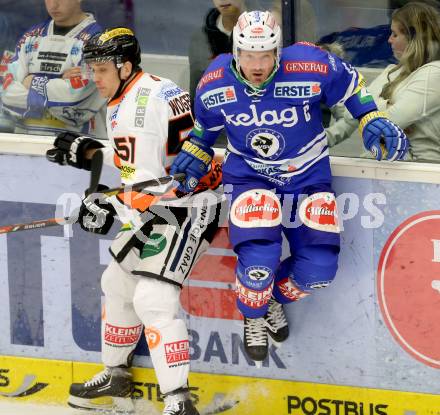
(12, 408)
(7, 407)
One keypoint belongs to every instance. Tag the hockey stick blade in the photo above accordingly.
(44, 223)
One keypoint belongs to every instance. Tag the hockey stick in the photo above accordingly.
(95, 171)
(95, 174)
(138, 187)
(94, 179)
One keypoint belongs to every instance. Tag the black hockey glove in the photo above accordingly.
(96, 213)
(70, 148)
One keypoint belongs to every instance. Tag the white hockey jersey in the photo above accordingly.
(53, 104)
(146, 126)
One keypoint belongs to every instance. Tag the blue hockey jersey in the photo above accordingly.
(276, 132)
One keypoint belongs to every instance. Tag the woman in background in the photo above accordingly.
(408, 91)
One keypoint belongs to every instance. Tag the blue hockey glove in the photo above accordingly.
(382, 137)
(96, 214)
(194, 160)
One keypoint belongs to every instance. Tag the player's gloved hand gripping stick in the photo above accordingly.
(95, 167)
(194, 160)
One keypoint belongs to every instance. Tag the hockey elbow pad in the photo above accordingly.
(70, 148)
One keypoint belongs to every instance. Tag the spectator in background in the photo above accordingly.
(121, 12)
(213, 39)
(42, 87)
(409, 90)
(6, 123)
(368, 46)
(305, 22)
(338, 110)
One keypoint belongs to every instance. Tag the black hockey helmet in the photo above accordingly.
(118, 44)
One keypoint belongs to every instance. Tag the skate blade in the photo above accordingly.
(104, 405)
(258, 364)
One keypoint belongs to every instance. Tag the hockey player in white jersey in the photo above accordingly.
(42, 87)
(148, 117)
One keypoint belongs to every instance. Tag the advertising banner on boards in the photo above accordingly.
(375, 326)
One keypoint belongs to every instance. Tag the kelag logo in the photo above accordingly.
(408, 286)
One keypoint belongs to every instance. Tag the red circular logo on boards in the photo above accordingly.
(408, 286)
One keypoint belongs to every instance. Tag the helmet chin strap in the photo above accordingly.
(122, 83)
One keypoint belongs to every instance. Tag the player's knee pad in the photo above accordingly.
(312, 267)
(156, 301)
(257, 261)
(255, 215)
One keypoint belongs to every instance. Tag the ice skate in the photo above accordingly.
(276, 323)
(109, 392)
(255, 339)
(179, 404)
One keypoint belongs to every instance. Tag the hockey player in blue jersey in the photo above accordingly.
(276, 166)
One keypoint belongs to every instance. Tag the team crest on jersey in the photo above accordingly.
(256, 208)
(297, 89)
(319, 212)
(266, 142)
(219, 96)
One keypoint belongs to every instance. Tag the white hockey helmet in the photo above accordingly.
(256, 31)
